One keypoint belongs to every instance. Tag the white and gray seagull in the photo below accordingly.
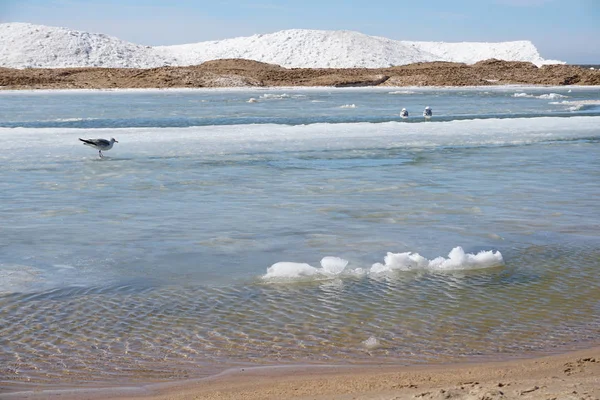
(100, 144)
(427, 113)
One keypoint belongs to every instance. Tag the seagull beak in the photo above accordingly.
(116, 141)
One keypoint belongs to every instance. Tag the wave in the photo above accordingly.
(333, 267)
(548, 96)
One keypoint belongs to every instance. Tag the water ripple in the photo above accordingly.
(128, 332)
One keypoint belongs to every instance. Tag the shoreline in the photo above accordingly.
(569, 375)
(227, 73)
(506, 87)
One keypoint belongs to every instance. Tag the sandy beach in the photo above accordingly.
(574, 375)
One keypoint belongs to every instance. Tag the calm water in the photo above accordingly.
(220, 232)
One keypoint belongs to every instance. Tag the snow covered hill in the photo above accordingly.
(36, 46)
(302, 48)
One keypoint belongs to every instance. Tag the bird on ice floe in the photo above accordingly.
(404, 113)
(427, 113)
(100, 144)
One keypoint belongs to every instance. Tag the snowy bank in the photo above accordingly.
(25, 45)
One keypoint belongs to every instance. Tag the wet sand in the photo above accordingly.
(573, 375)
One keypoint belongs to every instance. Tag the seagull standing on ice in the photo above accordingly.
(100, 144)
(404, 113)
(427, 113)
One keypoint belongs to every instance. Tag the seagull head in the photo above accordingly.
(112, 139)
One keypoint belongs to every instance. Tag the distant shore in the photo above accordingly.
(249, 74)
(574, 375)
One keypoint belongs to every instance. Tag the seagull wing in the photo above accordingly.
(96, 142)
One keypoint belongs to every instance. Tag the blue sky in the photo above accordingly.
(568, 30)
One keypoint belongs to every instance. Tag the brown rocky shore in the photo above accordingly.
(246, 73)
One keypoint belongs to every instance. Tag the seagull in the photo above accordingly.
(427, 113)
(404, 113)
(100, 144)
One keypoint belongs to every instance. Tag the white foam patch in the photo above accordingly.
(348, 106)
(457, 260)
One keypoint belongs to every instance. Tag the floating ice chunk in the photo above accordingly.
(546, 96)
(275, 96)
(358, 271)
(371, 342)
(522, 95)
(400, 261)
(333, 265)
(551, 96)
(457, 260)
(290, 270)
(402, 92)
(330, 266)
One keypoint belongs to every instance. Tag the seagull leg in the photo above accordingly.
(100, 152)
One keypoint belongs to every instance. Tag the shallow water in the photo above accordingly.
(152, 262)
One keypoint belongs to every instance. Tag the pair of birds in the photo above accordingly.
(100, 144)
(427, 113)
